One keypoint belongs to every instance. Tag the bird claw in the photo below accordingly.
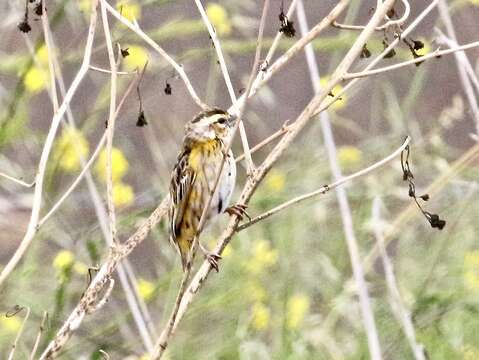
(238, 210)
(213, 259)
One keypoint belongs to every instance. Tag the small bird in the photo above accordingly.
(194, 176)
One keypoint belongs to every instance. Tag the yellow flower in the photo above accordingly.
(263, 257)
(471, 270)
(64, 260)
(228, 250)
(69, 149)
(146, 289)
(341, 101)
(471, 352)
(219, 18)
(296, 309)
(349, 157)
(137, 57)
(80, 268)
(84, 6)
(10, 324)
(255, 292)
(119, 165)
(42, 55)
(260, 316)
(35, 79)
(129, 9)
(123, 194)
(275, 181)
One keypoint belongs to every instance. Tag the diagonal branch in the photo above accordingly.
(96, 287)
(229, 85)
(57, 117)
(253, 182)
(326, 188)
(179, 69)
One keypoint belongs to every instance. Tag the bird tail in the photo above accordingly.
(182, 245)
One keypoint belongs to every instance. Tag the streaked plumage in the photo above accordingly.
(194, 175)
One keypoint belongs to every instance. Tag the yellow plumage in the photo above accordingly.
(194, 176)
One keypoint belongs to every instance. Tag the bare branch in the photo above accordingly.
(179, 69)
(39, 335)
(435, 54)
(254, 181)
(38, 192)
(103, 276)
(402, 314)
(18, 181)
(326, 188)
(19, 333)
(229, 85)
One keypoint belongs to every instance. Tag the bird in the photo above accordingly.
(193, 178)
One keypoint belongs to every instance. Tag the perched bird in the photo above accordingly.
(194, 176)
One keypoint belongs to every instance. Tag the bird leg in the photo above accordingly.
(211, 257)
(238, 210)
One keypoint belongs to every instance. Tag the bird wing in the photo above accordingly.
(181, 185)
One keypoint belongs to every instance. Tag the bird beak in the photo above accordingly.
(231, 119)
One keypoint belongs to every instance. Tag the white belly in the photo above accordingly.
(226, 185)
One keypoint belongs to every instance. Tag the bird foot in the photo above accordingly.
(238, 210)
(213, 260)
(212, 257)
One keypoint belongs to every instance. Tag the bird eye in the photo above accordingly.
(222, 121)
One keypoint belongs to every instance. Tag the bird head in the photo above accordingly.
(209, 125)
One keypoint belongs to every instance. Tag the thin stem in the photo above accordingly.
(57, 117)
(179, 69)
(229, 85)
(39, 335)
(110, 129)
(253, 182)
(326, 188)
(344, 207)
(19, 334)
(402, 314)
(435, 54)
(462, 63)
(18, 181)
(381, 56)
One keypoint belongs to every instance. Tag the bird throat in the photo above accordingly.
(205, 152)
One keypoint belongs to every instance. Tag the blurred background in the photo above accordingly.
(284, 290)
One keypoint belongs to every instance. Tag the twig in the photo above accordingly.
(326, 188)
(435, 54)
(110, 128)
(88, 164)
(345, 210)
(38, 192)
(443, 39)
(99, 69)
(103, 276)
(137, 311)
(408, 213)
(162, 342)
(39, 335)
(19, 333)
(403, 315)
(462, 63)
(18, 181)
(236, 106)
(284, 129)
(381, 56)
(253, 182)
(398, 22)
(179, 69)
(297, 47)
